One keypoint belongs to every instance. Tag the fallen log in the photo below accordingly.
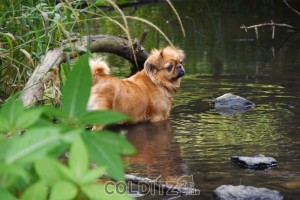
(76, 46)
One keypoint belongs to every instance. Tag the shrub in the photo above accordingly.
(33, 139)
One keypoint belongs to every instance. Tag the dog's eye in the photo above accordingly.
(169, 68)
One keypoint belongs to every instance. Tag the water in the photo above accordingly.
(223, 58)
(199, 141)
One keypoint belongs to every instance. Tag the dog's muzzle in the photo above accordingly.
(180, 71)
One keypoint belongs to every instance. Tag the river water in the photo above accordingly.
(223, 58)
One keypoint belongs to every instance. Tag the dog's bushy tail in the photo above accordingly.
(98, 67)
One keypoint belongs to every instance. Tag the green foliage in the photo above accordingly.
(80, 79)
(32, 142)
(28, 29)
(33, 139)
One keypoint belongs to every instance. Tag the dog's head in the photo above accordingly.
(164, 67)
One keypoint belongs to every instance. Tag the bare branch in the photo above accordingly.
(288, 5)
(265, 24)
(272, 24)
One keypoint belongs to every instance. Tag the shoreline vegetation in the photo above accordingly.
(38, 40)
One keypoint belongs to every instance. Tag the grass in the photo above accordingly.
(30, 28)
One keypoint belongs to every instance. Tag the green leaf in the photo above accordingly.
(78, 160)
(100, 192)
(14, 117)
(95, 191)
(5, 145)
(118, 141)
(15, 171)
(72, 135)
(54, 112)
(66, 68)
(77, 89)
(63, 190)
(43, 122)
(104, 155)
(36, 143)
(47, 170)
(28, 117)
(11, 110)
(54, 172)
(4, 194)
(36, 191)
(103, 117)
(66, 173)
(4, 124)
(93, 174)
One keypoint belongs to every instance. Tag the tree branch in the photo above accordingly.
(34, 88)
(265, 24)
(272, 24)
(290, 7)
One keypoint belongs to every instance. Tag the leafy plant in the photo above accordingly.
(28, 29)
(33, 141)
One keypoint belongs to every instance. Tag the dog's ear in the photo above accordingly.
(151, 68)
(153, 61)
(161, 53)
(181, 54)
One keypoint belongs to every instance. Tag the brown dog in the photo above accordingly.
(147, 95)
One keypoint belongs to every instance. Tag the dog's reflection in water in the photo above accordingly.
(157, 152)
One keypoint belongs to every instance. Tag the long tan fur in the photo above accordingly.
(147, 95)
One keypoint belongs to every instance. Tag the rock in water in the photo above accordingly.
(232, 104)
(255, 162)
(241, 192)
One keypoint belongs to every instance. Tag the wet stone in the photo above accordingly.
(241, 192)
(232, 104)
(255, 162)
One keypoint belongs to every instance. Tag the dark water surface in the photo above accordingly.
(222, 58)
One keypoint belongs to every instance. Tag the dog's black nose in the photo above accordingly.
(180, 70)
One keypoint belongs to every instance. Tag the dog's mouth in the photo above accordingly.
(180, 73)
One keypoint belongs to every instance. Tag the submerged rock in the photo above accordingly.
(232, 104)
(255, 162)
(241, 192)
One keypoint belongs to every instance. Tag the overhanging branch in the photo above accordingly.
(34, 88)
(272, 24)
